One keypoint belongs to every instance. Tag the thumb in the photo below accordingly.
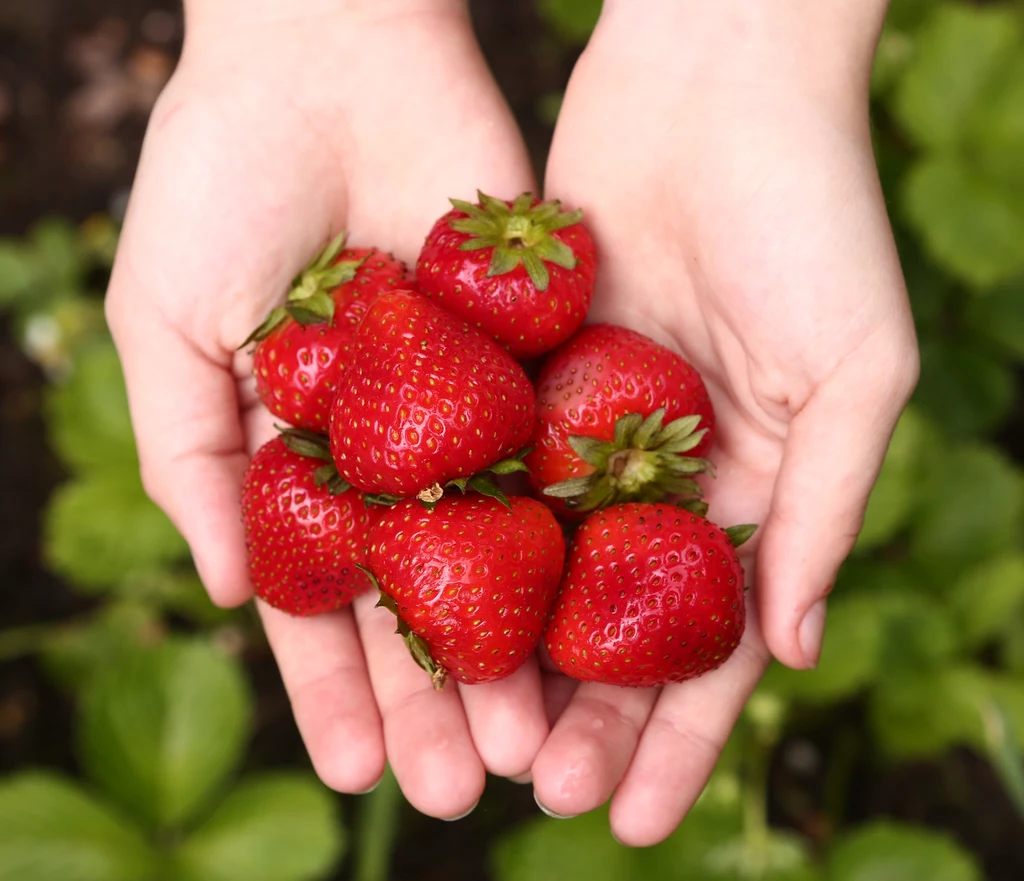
(833, 452)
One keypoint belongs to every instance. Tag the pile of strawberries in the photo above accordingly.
(423, 462)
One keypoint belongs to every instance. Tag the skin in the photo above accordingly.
(772, 268)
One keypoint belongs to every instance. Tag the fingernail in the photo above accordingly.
(472, 808)
(526, 777)
(550, 812)
(368, 791)
(811, 631)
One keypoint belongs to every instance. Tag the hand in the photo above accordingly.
(722, 155)
(280, 128)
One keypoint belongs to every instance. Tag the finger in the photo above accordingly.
(322, 666)
(681, 743)
(191, 446)
(426, 733)
(507, 720)
(833, 452)
(590, 747)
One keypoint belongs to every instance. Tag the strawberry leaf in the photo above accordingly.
(307, 443)
(739, 534)
(417, 646)
(487, 487)
(508, 466)
(273, 319)
(567, 489)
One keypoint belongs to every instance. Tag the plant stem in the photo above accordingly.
(377, 830)
(755, 788)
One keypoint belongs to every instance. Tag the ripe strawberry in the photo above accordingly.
(601, 436)
(303, 347)
(652, 594)
(473, 580)
(305, 531)
(522, 272)
(426, 400)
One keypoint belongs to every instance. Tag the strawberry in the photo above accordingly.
(427, 400)
(522, 271)
(601, 436)
(305, 530)
(304, 345)
(472, 581)
(652, 594)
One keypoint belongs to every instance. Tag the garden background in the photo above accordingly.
(145, 735)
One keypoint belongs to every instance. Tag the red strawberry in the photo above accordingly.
(652, 594)
(522, 272)
(303, 346)
(304, 542)
(472, 579)
(426, 400)
(615, 414)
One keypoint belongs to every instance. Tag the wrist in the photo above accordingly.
(211, 21)
(821, 42)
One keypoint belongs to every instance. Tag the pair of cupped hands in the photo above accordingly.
(722, 156)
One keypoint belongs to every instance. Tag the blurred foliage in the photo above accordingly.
(163, 718)
(926, 625)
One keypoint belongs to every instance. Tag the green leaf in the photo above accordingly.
(999, 317)
(87, 416)
(986, 599)
(894, 496)
(181, 592)
(776, 856)
(971, 226)
(997, 132)
(923, 714)
(275, 827)
(573, 20)
(101, 527)
(966, 387)
(556, 850)
(50, 830)
(885, 851)
(74, 653)
(972, 508)
(163, 731)
(57, 252)
(960, 51)
(16, 271)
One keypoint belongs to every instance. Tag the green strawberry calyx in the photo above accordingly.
(482, 482)
(740, 533)
(644, 462)
(309, 299)
(519, 234)
(316, 446)
(416, 644)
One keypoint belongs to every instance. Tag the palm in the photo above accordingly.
(749, 235)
